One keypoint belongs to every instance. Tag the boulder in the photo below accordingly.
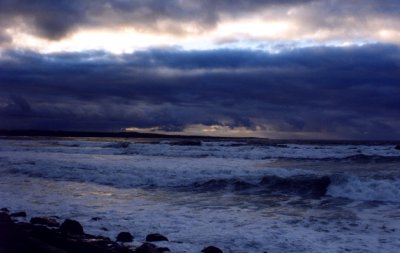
(124, 237)
(8, 236)
(43, 233)
(18, 214)
(397, 147)
(71, 227)
(211, 249)
(50, 222)
(24, 226)
(4, 210)
(5, 218)
(155, 238)
(23, 237)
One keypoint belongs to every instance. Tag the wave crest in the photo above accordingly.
(367, 189)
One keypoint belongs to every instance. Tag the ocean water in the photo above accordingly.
(241, 196)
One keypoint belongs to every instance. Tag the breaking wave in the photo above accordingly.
(303, 185)
(350, 187)
(180, 165)
(369, 189)
(284, 182)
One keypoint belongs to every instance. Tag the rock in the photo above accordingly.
(23, 237)
(397, 147)
(7, 233)
(147, 248)
(71, 227)
(5, 218)
(163, 249)
(211, 249)
(45, 221)
(5, 210)
(43, 232)
(95, 219)
(124, 237)
(18, 214)
(24, 226)
(155, 238)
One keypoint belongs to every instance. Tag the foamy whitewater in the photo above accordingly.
(240, 196)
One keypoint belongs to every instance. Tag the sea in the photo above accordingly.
(240, 195)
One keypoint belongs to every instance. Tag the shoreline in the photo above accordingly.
(49, 235)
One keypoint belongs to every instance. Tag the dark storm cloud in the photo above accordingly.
(344, 92)
(47, 18)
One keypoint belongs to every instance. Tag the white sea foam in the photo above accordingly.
(206, 219)
(359, 188)
(82, 179)
(134, 171)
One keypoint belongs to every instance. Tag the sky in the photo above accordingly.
(292, 69)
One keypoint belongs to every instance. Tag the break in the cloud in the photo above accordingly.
(283, 69)
(325, 92)
(125, 26)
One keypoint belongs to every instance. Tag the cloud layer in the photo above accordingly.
(325, 92)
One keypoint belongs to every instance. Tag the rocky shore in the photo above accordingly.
(48, 235)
